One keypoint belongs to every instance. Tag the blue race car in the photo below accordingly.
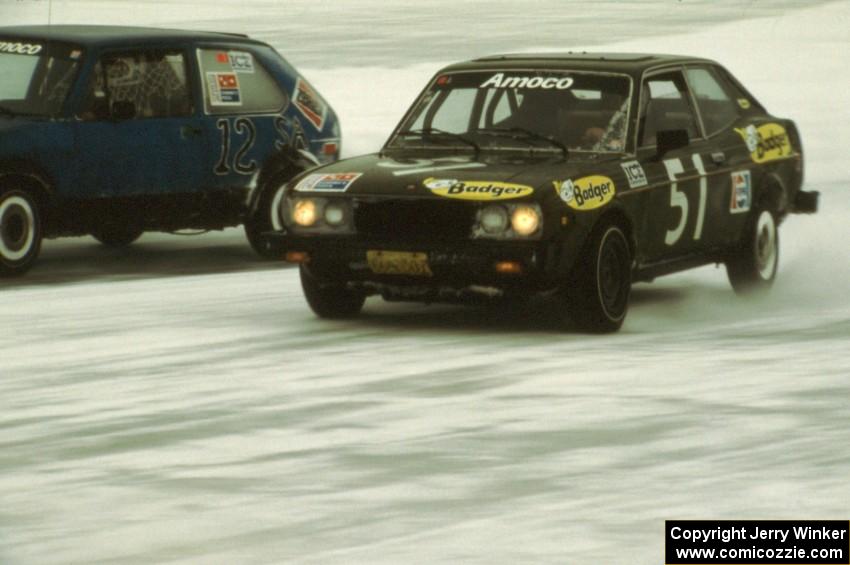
(114, 131)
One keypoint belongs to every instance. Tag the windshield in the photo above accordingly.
(544, 110)
(36, 79)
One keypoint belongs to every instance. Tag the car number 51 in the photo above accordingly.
(680, 200)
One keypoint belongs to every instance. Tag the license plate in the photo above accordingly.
(399, 263)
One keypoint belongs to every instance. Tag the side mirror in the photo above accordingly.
(670, 140)
(123, 110)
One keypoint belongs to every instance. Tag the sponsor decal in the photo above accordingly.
(767, 142)
(332, 182)
(241, 62)
(309, 103)
(477, 189)
(634, 174)
(587, 193)
(224, 89)
(742, 192)
(499, 80)
(744, 103)
(222, 57)
(75, 54)
(18, 48)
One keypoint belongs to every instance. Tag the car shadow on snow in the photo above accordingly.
(83, 259)
(540, 314)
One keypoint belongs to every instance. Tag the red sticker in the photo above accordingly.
(222, 58)
(443, 80)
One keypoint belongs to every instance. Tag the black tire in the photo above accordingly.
(597, 294)
(753, 264)
(266, 216)
(328, 299)
(114, 235)
(20, 232)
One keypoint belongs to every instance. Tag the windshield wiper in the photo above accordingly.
(525, 135)
(427, 132)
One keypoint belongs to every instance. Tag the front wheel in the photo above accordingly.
(20, 232)
(598, 292)
(753, 264)
(328, 299)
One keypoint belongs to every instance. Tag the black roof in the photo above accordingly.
(631, 63)
(106, 36)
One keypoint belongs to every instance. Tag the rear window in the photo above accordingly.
(235, 82)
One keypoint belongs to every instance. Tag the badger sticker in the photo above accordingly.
(587, 193)
(476, 189)
(499, 80)
(767, 142)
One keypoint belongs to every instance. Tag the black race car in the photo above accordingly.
(562, 173)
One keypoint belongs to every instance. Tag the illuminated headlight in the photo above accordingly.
(494, 219)
(525, 220)
(305, 213)
(335, 214)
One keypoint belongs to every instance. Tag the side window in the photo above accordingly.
(716, 107)
(665, 106)
(148, 84)
(235, 82)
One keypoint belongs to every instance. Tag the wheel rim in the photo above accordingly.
(613, 277)
(17, 228)
(277, 216)
(765, 245)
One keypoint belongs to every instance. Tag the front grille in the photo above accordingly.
(414, 220)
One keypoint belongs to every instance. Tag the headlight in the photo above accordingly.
(525, 220)
(494, 219)
(304, 213)
(335, 214)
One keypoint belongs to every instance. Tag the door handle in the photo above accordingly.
(718, 158)
(187, 131)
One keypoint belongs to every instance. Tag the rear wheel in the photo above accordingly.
(117, 235)
(598, 292)
(20, 232)
(266, 217)
(330, 299)
(753, 264)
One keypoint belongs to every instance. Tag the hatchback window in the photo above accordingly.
(235, 82)
(716, 107)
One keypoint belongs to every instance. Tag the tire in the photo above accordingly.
(117, 236)
(752, 266)
(330, 300)
(266, 216)
(20, 232)
(597, 295)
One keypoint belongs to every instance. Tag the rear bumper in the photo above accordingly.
(805, 202)
(456, 265)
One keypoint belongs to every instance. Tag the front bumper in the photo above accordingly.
(806, 202)
(455, 264)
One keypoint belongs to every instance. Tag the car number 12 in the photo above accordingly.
(680, 200)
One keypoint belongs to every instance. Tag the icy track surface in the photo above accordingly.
(180, 404)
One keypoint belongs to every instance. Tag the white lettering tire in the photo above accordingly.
(752, 266)
(20, 232)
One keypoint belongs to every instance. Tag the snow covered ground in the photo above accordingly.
(179, 403)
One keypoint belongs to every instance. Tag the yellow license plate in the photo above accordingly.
(399, 263)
